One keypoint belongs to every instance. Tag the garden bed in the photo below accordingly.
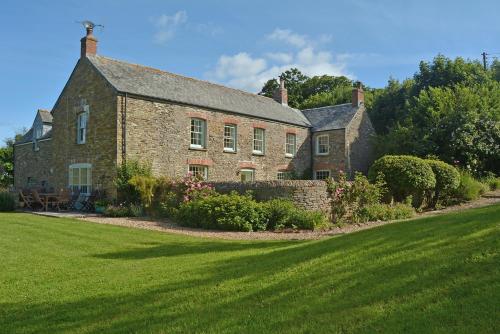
(170, 227)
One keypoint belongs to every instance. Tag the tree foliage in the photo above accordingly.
(450, 109)
(7, 162)
(311, 92)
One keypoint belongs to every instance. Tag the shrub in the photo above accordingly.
(225, 212)
(281, 213)
(469, 188)
(117, 211)
(447, 181)
(386, 212)
(348, 197)
(404, 176)
(144, 186)
(135, 210)
(492, 182)
(127, 193)
(7, 202)
(169, 194)
(308, 220)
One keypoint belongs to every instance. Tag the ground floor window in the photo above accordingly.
(80, 178)
(322, 174)
(284, 176)
(247, 175)
(199, 170)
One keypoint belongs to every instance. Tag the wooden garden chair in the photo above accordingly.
(44, 203)
(89, 203)
(26, 199)
(63, 199)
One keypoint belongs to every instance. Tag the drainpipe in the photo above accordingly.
(124, 127)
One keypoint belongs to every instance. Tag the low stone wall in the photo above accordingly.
(306, 194)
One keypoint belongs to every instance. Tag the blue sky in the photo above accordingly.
(237, 43)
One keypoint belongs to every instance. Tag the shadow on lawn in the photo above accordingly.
(433, 273)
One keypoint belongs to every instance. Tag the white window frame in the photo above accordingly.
(248, 170)
(290, 148)
(198, 130)
(318, 145)
(230, 137)
(85, 188)
(199, 170)
(81, 133)
(259, 141)
(284, 175)
(322, 171)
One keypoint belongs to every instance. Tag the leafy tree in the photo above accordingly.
(7, 161)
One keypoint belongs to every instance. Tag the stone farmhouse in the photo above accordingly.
(110, 111)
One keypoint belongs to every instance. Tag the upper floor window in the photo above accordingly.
(38, 132)
(198, 133)
(230, 138)
(322, 145)
(259, 138)
(81, 135)
(199, 170)
(291, 144)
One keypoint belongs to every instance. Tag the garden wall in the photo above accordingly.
(306, 194)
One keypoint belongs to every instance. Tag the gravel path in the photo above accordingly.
(167, 226)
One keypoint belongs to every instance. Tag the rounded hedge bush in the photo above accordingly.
(447, 180)
(405, 176)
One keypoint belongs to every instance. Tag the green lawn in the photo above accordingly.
(439, 274)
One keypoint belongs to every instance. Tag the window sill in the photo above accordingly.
(258, 153)
(322, 154)
(229, 151)
(194, 148)
(288, 155)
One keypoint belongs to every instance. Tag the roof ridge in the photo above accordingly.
(325, 107)
(188, 78)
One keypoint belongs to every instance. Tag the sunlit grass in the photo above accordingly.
(438, 274)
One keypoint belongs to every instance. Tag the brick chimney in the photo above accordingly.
(89, 42)
(358, 95)
(281, 94)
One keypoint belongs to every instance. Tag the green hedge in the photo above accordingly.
(7, 202)
(469, 188)
(404, 176)
(236, 212)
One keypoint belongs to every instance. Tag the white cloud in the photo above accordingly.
(280, 57)
(167, 26)
(289, 37)
(250, 73)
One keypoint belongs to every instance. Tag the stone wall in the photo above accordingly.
(158, 132)
(306, 194)
(359, 143)
(336, 159)
(35, 165)
(99, 150)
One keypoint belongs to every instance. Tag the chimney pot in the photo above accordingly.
(281, 94)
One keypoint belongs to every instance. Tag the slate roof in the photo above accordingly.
(150, 82)
(330, 117)
(28, 137)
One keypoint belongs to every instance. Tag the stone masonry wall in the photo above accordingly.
(33, 164)
(336, 159)
(359, 143)
(100, 146)
(159, 133)
(305, 194)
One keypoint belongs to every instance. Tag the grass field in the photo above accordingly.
(438, 274)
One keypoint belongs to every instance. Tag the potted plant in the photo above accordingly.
(101, 205)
